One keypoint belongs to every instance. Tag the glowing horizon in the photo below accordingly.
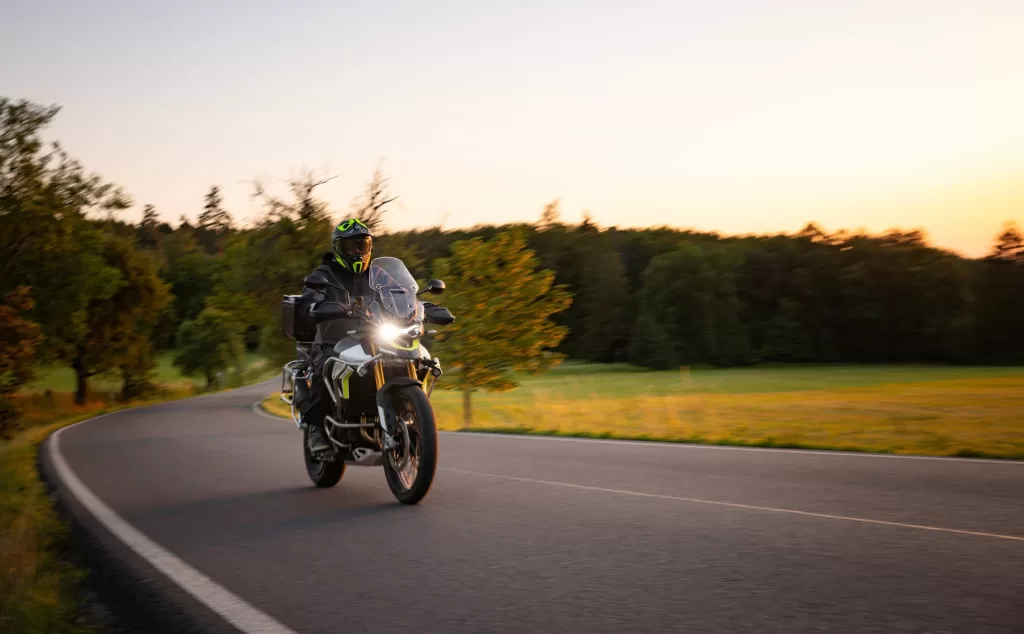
(738, 118)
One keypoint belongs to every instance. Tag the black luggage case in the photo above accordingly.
(293, 325)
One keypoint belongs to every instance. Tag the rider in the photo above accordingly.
(346, 269)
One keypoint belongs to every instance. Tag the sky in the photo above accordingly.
(739, 116)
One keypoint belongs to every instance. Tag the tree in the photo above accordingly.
(550, 217)
(271, 259)
(148, 235)
(214, 217)
(1009, 245)
(209, 345)
(651, 346)
(999, 291)
(690, 294)
(604, 299)
(118, 325)
(18, 340)
(214, 222)
(304, 209)
(370, 208)
(503, 305)
(47, 240)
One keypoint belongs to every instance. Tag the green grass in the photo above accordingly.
(906, 409)
(580, 380)
(61, 378)
(39, 591)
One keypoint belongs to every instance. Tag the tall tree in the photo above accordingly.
(271, 260)
(47, 242)
(1009, 246)
(604, 299)
(999, 288)
(690, 294)
(18, 340)
(371, 207)
(214, 222)
(118, 325)
(209, 345)
(147, 234)
(503, 306)
(551, 216)
(214, 217)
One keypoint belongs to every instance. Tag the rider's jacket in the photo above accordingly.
(339, 277)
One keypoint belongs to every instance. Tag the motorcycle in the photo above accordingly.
(380, 379)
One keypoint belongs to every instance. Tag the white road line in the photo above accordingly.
(233, 609)
(257, 408)
(838, 453)
(770, 509)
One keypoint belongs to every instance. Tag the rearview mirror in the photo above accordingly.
(434, 287)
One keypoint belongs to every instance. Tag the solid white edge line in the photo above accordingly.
(751, 507)
(229, 606)
(838, 453)
(257, 408)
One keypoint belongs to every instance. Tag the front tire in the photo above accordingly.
(322, 474)
(410, 484)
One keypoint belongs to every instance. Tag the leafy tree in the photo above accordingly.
(214, 222)
(48, 242)
(18, 340)
(503, 305)
(999, 291)
(551, 217)
(651, 346)
(148, 235)
(214, 217)
(370, 208)
(690, 294)
(603, 298)
(119, 324)
(1009, 245)
(191, 272)
(209, 345)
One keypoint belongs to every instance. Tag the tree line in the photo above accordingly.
(84, 288)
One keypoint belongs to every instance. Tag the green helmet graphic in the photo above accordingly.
(352, 243)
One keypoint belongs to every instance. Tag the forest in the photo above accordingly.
(82, 287)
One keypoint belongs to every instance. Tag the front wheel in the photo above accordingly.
(410, 479)
(322, 474)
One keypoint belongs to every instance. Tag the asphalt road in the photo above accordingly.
(546, 535)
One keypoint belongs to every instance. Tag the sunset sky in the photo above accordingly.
(739, 116)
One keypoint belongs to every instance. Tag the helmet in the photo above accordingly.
(352, 243)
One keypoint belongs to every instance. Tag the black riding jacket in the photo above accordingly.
(339, 277)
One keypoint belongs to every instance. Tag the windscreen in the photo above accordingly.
(397, 287)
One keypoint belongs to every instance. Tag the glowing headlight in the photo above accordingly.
(389, 332)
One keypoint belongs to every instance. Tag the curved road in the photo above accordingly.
(526, 534)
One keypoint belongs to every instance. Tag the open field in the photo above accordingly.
(944, 411)
(61, 378)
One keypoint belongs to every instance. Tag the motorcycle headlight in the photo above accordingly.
(387, 333)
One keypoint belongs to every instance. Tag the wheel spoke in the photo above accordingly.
(410, 470)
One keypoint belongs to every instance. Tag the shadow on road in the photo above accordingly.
(258, 514)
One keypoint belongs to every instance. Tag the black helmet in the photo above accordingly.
(352, 243)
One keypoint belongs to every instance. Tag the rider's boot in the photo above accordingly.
(318, 442)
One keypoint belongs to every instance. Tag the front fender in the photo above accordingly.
(386, 406)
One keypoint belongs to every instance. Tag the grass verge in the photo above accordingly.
(981, 416)
(37, 588)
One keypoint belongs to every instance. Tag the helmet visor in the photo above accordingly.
(355, 247)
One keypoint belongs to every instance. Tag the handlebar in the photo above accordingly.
(329, 311)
